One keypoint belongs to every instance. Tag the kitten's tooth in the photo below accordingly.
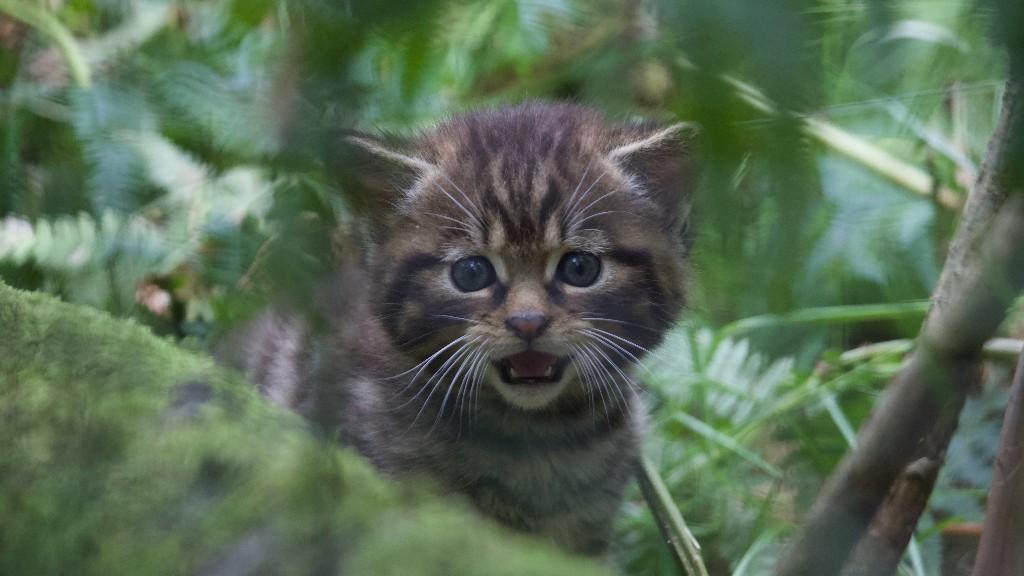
(550, 372)
(512, 372)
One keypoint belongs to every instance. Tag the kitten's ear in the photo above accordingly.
(374, 170)
(659, 159)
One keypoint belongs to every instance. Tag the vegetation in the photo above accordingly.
(165, 162)
(169, 466)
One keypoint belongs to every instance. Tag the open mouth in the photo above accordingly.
(531, 367)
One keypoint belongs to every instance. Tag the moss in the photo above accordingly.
(123, 453)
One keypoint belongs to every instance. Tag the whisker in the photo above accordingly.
(572, 210)
(439, 377)
(625, 354)
(451, 385)
(456, 202)
(620, 338)
(583, 210)
(595, 216)
(479, 212)
(423, 363)
(572, 197)
(626, 378)
(623, 322)
(479, 385)
(473, 375)
(460, 227)
(618, 389)
(594, 381)
(450, 317)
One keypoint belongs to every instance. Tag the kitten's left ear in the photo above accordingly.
(376, 170)
(659, 159)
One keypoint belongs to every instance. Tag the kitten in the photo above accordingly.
(518, 262)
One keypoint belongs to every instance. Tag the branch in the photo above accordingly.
(1000, 552)
(983, 273)
(880, 551)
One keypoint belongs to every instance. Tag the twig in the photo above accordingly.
(983, 273)
(1001, 552)
(684, 547)
(996, 349)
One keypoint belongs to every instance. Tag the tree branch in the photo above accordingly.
(983, 272)
(1000, 552)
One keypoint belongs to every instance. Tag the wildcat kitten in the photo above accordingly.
(517, 263)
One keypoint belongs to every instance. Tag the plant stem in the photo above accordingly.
(684, 547)
(829, 315)
(48, 25)
(894, 169)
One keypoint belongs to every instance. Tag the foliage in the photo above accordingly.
(170, 466)
(163, 161)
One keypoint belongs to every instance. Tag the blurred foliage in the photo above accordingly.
(168, 465)
(181, 181)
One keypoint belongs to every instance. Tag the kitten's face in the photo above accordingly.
(527, 252)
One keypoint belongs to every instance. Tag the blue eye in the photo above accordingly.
(472, 274)
(579, 269)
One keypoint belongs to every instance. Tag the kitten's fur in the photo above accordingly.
(520, 186)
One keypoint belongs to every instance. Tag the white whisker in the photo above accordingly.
(451, 384)
(572, 198)
(571, 211)
(457, 203)
(478, 212)
(439, 376)
(595, 380)
(623, 322)
(450, 317)
(424, 363)
(583, 210)
(626, 379)
(592, 216)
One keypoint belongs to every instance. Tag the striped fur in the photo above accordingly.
(406, 368)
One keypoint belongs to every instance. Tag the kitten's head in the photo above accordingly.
(536, 250)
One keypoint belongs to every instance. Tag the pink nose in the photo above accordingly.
(527, 326)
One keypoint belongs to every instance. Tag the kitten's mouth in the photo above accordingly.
(531, 367)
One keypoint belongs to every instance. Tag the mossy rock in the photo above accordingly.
(124, 454)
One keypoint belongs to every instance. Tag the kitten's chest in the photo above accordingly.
(552, 484)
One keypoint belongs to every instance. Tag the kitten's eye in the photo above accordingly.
(472, 274)
(579, 269)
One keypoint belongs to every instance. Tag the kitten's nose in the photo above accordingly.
(527, 326)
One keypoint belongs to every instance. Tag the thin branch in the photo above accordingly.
(1001, 552)
(996, 349)
(984, 271)
(684, 547)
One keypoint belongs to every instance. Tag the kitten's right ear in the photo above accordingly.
(374, 170)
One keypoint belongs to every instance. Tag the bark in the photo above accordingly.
(122, 453)
(983, 272)
(1001, 552)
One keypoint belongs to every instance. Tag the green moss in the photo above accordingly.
(125, 454)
